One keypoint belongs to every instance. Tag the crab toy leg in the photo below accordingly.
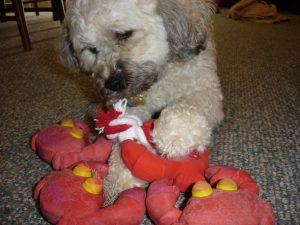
(241, 177)
(39, 187)
(98, 151)
(33, 141)
(183, 172)
(160, 192)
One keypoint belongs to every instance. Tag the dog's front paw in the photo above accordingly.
(180, 130)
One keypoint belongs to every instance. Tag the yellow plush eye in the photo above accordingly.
(82, 170)
(201, 189)
(76, 132)
(67, 123)
(92, 186)
(227, 184)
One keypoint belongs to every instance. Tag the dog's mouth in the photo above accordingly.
(113, 90)
(127, 80)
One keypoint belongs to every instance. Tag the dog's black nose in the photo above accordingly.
(116, 82)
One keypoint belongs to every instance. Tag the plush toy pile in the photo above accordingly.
(72, 194)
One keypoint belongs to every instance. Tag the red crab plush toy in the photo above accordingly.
(71, 196)
(136, 141)
(67, 143)
(234, 201)
(182, 172)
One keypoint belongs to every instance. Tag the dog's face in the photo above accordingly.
(124, 44)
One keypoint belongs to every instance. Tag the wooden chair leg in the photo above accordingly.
(22, 25)
(2, 11)
(37, 12)
(61, 10)
(58, 10)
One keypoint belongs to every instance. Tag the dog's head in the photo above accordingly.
(125, 44)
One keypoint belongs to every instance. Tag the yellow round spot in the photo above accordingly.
(201, 189)
(92, 186)
(227, 184)
(82, 170)
(76, 132)
(67, 123)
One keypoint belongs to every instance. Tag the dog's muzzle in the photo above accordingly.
(116, 82)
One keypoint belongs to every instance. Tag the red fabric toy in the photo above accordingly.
(66, 144)
(222, 206)
(75, 196)
(129, 209)
(136, 141)
(61, 194)
(150, 167)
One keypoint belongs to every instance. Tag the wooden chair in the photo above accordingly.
(17, 6)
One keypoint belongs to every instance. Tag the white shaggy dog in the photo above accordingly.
(164, 47)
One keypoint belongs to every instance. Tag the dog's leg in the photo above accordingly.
(190, 95)
(187, 125)
(119, 178)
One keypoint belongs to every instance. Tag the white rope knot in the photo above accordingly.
(133, 125)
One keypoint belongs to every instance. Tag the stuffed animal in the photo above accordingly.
(234, 201)
(71, 193)
(75, 196)
(147, 166)
(66, 144)
(138, 152)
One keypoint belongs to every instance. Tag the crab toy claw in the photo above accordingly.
(243, 180)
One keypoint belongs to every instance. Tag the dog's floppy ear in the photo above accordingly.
(187, 33)
(66, 50)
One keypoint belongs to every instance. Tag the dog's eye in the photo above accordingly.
(124, 35)
(93, 50)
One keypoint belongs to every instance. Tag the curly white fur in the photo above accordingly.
(162, 46)
(119, 177)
